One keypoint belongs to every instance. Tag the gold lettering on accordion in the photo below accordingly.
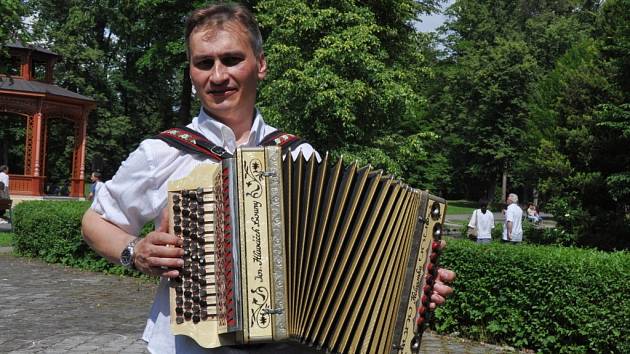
(256, 277)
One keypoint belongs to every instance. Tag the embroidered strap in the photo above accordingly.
(284, 140)
(191, 141)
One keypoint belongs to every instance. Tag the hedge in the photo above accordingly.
(550, 299)
(546, 298)
(51, 230)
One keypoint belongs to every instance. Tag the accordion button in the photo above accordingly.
(179, 320)
(421, 310)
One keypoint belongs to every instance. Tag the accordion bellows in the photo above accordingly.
(337, 257)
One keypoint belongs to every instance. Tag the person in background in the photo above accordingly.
(532, 213)
(4, 189)
(482, 221)
(513, 227)
(95, 177)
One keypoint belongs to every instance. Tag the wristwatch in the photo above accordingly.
(127, 255)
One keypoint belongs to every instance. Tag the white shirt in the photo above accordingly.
(484, 223)
(137, 194)
(514, 213)
(4, 178)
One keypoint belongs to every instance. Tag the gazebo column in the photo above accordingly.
(33, 165)
(78, 157)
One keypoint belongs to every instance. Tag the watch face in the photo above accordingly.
(125, 257)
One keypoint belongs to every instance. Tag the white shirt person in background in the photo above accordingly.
(482, 221)
(513, 228)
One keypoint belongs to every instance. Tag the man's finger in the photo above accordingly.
(162, 238)
(446, 275)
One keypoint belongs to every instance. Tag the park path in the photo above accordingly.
(48, 308)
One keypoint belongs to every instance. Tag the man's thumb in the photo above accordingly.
(164, 221)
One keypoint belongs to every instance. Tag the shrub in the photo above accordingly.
(551, 299)
(51, 230)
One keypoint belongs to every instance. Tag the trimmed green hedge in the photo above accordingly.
(550, 299)
(51, 230)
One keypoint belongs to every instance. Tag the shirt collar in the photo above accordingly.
(222, 135)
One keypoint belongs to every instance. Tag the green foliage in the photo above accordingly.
(344, 76)
(549, 299)
(51, 230)
(11, 25)
(6, 239)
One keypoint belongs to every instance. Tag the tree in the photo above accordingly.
(342, 74)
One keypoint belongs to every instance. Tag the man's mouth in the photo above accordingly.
(221, 92)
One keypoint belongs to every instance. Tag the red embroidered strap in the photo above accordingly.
(282, 139)
(190, 141)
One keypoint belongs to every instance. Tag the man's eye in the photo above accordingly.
(231, 61)
(205, 64)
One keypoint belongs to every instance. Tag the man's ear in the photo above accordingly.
(262, 66)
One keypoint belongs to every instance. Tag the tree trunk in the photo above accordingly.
(504, 185)
(183, 116)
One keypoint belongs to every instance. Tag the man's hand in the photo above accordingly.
(440, 290)
(159, 253)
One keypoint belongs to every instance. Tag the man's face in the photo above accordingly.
(225, 71)
(92, 177)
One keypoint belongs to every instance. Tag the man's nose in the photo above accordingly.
(219, 73)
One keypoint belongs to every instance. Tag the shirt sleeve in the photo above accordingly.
(129, 199)
(473, 220)
(509, 215)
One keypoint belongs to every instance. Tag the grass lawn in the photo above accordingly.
(458, 207)
(5, 239)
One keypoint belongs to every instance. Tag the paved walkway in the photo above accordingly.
(48, 308)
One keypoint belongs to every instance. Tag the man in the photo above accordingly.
(513, 228)
(95, 177)
(4, 188)
(482, 221)
(224, 47)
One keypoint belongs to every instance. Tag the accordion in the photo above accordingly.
(337, 257)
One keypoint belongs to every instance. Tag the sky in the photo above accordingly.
(430, 23)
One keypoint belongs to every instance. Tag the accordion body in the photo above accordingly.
(337, 257)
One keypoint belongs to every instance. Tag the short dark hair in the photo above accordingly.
(483, 203)
(218, 14)
(4, 168)
(97, 174)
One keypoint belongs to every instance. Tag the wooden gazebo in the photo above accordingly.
(27, 90)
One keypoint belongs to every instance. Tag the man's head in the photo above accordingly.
(95, 176)
(512, 199)
(215, 16)
(4, 168)
(226, 60)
